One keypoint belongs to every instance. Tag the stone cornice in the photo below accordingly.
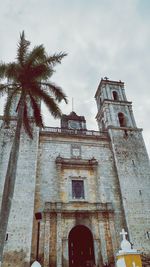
(76, 162)
(78, 207)
(130, 129)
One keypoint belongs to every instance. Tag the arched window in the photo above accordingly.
(115, 95)
(122, 119)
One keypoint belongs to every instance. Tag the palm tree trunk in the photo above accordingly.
(10, 178)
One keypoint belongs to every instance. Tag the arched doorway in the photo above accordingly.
(81, 250)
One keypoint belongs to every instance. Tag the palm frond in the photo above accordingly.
(22, 50)
(26, 122)
(12, 71)
(3, 89)
(36, 55)
(51, 105)
(40, 72)
(56, 58)
(56, 91)
(37, 112)
(3, 67)
(48, 100)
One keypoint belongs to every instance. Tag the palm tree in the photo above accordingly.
(28, 81)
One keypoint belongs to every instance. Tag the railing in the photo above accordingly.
(58, 130)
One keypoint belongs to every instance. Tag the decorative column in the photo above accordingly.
(113, 233)
(96, 240)
(123, 94)
(59, 161)
(47, 240)
(65, 252)
(102, 238)
(109, 96)
(129, 118)
(132, 116)
(127, 256)
(110, 115)
(59, 239)
(97, 252)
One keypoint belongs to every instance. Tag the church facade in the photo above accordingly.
(77, 188)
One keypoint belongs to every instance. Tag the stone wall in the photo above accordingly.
(133, 170)
(18, 246)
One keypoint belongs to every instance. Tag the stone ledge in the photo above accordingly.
(78, 207)
(76, 161)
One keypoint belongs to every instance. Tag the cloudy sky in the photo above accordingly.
(102, 38)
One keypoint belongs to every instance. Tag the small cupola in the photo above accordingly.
(73, 121)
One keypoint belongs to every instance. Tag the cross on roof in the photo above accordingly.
(123, 233)
(106, 78)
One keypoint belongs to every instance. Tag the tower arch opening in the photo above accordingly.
(115, 95)
(122, 119)
(81, 248)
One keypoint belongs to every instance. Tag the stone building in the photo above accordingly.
(77, 188)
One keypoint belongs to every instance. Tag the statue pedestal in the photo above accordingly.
(127, 256)
(129, 259)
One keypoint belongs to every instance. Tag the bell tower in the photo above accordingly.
(131, 160)
(114, 110)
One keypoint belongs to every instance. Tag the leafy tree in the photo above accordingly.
(28, 81)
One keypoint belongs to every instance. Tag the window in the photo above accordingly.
(78, 189)
(115, 95)
(122, 120)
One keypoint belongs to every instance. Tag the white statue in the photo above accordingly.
(128, 251)
(36, 264)
(125, 244)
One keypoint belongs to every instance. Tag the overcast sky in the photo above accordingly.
(102, 38)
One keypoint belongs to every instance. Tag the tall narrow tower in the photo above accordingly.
(131, 159)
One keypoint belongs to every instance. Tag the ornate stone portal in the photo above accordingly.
(78, 232)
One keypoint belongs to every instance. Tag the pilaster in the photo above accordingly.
(65, 252)
(102, 239)
(59, 241)
(115, 244)
(47, 240)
